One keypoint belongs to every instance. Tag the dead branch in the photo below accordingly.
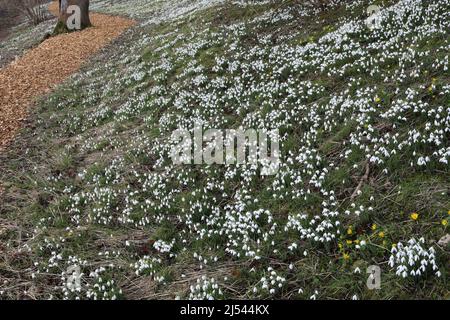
(361, 181)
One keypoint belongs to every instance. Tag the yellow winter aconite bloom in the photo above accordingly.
(349, 241)
(340, 245)
(444, 222)
(377, 99)
(414, 216)
(349, 231)
(346, 256)
(381, 234)
(448, 212)
(374, 227)
(357, 241)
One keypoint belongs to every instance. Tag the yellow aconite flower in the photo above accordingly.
(448, 212)
(346, 256)
(377, 99)
(357, 241)
(349, 241)
(381, 234)
(349, 231)
(340, 245)
(444, 222)
(374, 227)
(414, 216)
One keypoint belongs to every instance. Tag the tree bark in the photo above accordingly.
(85, 21)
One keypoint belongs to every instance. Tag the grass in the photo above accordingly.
(86, 141)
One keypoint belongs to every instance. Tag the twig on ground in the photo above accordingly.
(362, 181)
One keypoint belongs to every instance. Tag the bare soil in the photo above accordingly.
(8, 20)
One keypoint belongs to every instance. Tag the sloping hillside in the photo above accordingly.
(364, 122)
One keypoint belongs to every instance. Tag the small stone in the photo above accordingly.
(444, 241)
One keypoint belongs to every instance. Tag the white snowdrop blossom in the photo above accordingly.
(413, 260)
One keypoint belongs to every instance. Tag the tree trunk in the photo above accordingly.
(65, 16)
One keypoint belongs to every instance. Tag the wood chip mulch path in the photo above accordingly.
(47, 65)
